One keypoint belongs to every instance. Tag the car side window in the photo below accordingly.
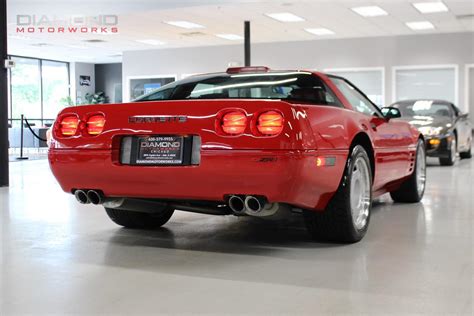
(359, 102)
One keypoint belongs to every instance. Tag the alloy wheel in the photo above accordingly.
(420, 170)
(360, 193)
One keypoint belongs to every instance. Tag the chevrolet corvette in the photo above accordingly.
(246, 142)
(447, 131)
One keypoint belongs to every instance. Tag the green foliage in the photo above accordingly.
(67, 101)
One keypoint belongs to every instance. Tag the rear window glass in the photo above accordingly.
(291, 86)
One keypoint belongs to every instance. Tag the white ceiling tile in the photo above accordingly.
(144, 20)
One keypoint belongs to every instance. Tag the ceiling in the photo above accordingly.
(144, 20)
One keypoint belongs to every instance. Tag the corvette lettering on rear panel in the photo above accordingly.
(157, 119)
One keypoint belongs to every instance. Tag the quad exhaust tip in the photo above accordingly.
(254, 204)
(89, 196)
(95, 197)
(248, 204)
(81, 197)
(236, 204)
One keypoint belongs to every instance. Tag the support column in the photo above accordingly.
(247, 43)
(4, 180)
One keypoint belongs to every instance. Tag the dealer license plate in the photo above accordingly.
(159, 150)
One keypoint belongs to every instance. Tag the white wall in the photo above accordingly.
(455, 48)
(81, 69)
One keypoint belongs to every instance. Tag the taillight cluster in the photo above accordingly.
(70, 125)
(235, 122)
(270, 123)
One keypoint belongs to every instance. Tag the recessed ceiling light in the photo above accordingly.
(94, 41)
(370, 11)
(230, 37)
(150, 42)
(431, 7)
(40, 44)
(320, 31)
(19, 37)
(420, 25)
(285, 17)
(185, 24)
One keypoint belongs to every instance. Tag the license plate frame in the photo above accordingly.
(190, 151)
(158, 150)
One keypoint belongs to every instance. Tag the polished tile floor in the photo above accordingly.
(61, 257)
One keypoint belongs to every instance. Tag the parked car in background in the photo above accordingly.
(447, 131)
(247, 142)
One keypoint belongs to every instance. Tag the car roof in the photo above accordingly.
(223, 73)
(416, 100)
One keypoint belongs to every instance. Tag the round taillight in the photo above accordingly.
(95, 124)
(234, 123)
(68, 125)
(270, 123)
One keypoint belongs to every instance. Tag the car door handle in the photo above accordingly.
(373, 126)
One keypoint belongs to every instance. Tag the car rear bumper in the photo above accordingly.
(291, 177)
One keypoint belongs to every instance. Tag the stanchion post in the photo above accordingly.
(21, 139)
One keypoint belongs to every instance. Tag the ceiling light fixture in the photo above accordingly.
(370, 11)
(230, 37)
(150, 42)
(431, 7)
(185, 24)
(320, 31)
(285, 17)
(94, 40)
(19, 37)
(420, 25)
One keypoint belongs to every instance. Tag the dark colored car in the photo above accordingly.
(446, 129)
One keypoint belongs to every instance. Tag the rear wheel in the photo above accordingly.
(412, 190)
(347, 215)
(131, 219)
(451, 159)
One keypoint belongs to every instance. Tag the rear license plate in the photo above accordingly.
(159, 150)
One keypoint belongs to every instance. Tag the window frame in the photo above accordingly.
(454, 67)
(40, 68)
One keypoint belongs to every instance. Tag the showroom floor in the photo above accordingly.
(62, 257)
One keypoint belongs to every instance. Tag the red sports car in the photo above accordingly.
(247, 142)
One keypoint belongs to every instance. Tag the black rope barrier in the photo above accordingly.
(23, 119)
(32, 131)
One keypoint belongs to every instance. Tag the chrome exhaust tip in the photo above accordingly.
(81, 197)
(254, 204)
(236, 204)
(94, 197)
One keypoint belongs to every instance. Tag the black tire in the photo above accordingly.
(335, 223)
(451, 159)
(466, 154)
(138, 220)
(408, 191)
